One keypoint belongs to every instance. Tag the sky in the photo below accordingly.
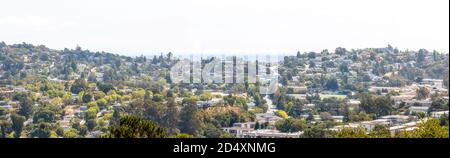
(135, 27)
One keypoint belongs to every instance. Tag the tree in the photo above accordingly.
(380, 131)
(171, 117)
(189, 119)
(25, 106)
(340, 51)
(87, 97)
(332, 84)
(312, 55)
(281, 114)
(17, 124)
(92, 77)
(257, 125)
(379, 106)
(312, 64)
(67, 98)
(296, 109)
(44, 115)
(183, 135)
(4, 123)
(158, 97)
(359, 132)
(446, 81)
(439, 105)
(291, 125)
(428, 129)
(210, 131)
(315, 131)
(78, 86)
(310, 117)
(71, 133)
(421, 56)
(102, 103)
(422, 93)
(41, 131)
(115, 119)
(105, 88)
(91, 124)
(343, 68)
(135, 127)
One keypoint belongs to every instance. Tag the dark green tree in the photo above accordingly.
(189, 120)
(17, 124)
(135, 127)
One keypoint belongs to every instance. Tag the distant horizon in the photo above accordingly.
(184, 54)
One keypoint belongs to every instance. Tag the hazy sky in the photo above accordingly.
(132, 27)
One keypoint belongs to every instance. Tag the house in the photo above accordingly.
(375, 89)
(417, 109)
(437, 83)
(297, 96)
(251, 105)
(269, 133)
(439, 114)
(397, 119)
(204, 104)
(353, 102)
(297, 89)
(394, 130)
(239, 128)
(308, 107)
(426, 103)
(368, 125)
(267, 117)
(245, 125)
(7, 107)
(338, 118)
(56, 80)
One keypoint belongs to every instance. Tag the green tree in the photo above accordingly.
(44, 115)
(115, 119)
(291, 125)
(183, 135)
(26, 104)
(316, 131)
(135, 127)
(87, 97)
(105, 88)
(91, 124)
(189, 119)
(380, 131)
(79, 85)
(428, 129)
(4, 123)
(171, 117)
(17, 124)
(332, 84)
(421, 56)
(71, 133)
(41, 130)
(379, 106)
(359, 132)
(281, 114)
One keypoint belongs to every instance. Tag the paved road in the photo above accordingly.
(271, 108)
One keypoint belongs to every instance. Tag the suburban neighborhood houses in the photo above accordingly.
(76, 93)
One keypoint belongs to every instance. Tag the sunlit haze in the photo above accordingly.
(135, 27)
